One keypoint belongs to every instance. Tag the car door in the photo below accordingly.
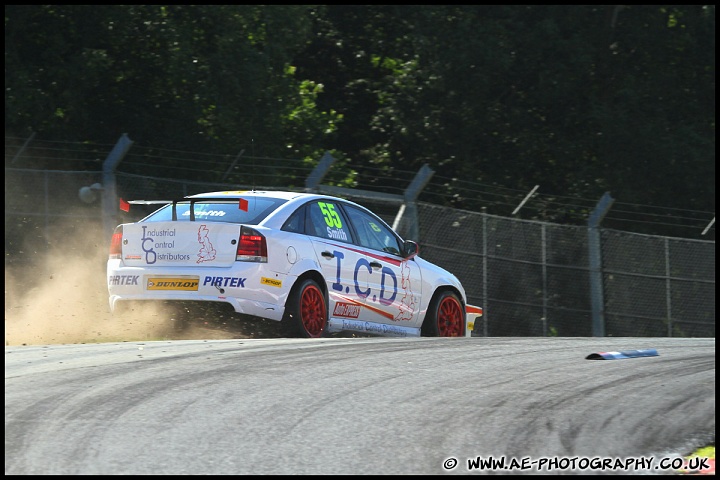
(338, 257)
(391, 285)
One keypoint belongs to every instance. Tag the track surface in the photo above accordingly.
(350, 405)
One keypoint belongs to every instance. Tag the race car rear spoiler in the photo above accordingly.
(242, 204)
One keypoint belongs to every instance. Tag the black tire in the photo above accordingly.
(445, 316)
(306, 312)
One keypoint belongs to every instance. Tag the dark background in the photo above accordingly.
(578, 99)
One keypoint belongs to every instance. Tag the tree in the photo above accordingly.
(579, 99)
(214, 77)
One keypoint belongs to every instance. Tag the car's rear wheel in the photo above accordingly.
(445, 317)
(306, 313)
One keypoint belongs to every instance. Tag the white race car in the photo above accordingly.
(317, 264)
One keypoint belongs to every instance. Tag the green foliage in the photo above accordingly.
(187, 77)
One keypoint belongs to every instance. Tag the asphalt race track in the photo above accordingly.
(355, 405)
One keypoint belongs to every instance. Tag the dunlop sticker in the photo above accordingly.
(173, 283)
(271, 281)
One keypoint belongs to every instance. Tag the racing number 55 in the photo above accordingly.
(331, 216)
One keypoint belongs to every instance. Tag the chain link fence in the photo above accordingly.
(531, 278)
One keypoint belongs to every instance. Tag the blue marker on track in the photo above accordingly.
(649, 352)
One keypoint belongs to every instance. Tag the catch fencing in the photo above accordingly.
(531, 278)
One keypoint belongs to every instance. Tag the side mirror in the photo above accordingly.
(410, 249)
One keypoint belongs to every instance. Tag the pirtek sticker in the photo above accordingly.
(233, 282)
(123, 279)
(271, 281)
(173, 284)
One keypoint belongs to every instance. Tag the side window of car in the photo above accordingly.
(372, 233)
(296, 222)
(326, 220)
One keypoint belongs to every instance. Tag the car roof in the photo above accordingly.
(287, 195)
(291, 197)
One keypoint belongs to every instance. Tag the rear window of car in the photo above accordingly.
(251, 213)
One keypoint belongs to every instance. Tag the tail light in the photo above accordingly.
(252, 246)
(116, 244)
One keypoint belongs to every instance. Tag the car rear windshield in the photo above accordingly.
(249, 212)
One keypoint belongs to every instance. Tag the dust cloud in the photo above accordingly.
(60, 296)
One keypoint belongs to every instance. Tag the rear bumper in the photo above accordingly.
(244, 306)
(472, 313)
(249, 287)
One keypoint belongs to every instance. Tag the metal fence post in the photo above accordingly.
(109, 183)
(485, 303)
(595, 259)
(20, 152)
(409, 207)
(319, 172)
(668, 287)
(543, 246)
